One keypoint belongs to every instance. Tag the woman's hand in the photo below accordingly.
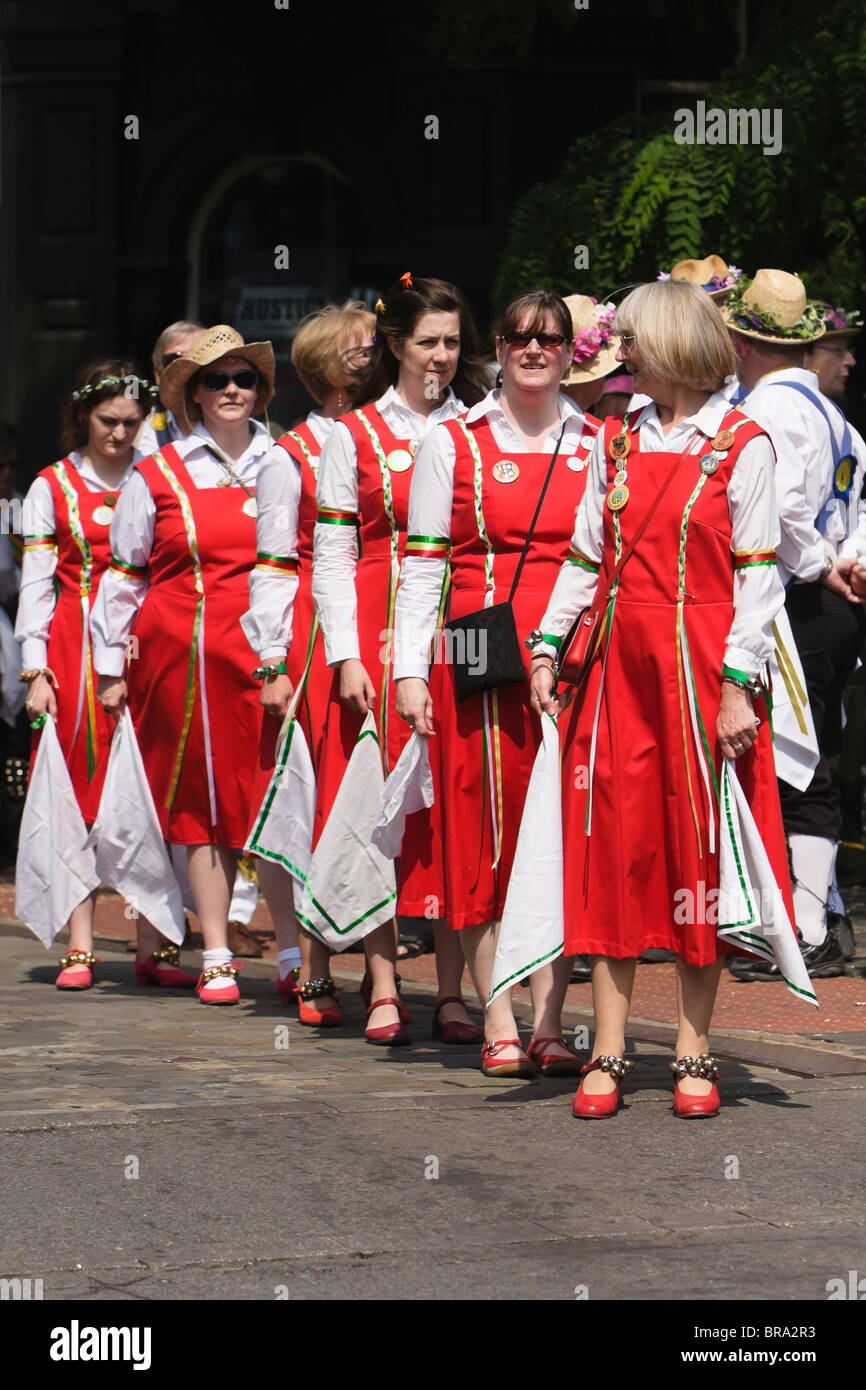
(414, 704)
(736, 725)
(356, 688)
(40, 699)
(277, 691)
(541, 683)
(111, 693)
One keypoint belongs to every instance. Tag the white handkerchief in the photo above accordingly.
(283, 829)
(408, 789)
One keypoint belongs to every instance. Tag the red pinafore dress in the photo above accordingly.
(307, 650)
(645, 875)
(191, 696)
(489, 741)
(383, 507)
(83, 521)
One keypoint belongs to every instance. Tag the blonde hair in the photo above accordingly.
(322, 339)
(679, 332)
(181, 329)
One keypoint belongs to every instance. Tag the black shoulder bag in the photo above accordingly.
(484, 647)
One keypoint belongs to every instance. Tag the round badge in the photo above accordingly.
(413, 445)
(619, 446)
(399, 460)
(103, 516)
(723, 440)
(249, 507)
(109, 499)
(620, 478)
(844, 473)
(587, 441)
(576, 464)
(617, 499)
(505, 471)
(709, 464)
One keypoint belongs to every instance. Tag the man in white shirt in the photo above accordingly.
(831, 357)
(820, 469)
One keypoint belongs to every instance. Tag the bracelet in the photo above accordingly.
(543, 656)
(743, 681)
(827, 570)
(536, 638)
(262, 673)
(46, 671)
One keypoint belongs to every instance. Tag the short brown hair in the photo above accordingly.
(121, 379)
(538, 304)
(679, 332)
(322, 339)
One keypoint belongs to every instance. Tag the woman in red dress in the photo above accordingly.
(674, 687)
(183, 542)
(425, 367)
(67, 515)
(474, 495)
(330, 348)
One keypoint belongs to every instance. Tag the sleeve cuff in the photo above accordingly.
(344, 647)
(109, 661)
(271, 655)
(34, 652)
(738, 659)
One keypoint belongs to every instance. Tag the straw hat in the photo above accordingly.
(773, 309)
(839, 323)
(214, 343)
(710, 274)
(595, 341)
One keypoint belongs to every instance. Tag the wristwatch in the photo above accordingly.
(827, 570)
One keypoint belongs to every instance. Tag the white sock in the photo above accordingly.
(220, 955)
(814, 859)
(287, 960)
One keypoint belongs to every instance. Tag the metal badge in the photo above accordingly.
(399, 460)
(103, 516)
(619, 446)
(617, 499)
(709, 463)
(619, 478)
(249, 507)
(723, 440)
(505, 471)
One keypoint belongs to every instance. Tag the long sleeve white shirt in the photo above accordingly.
(121, 595)
(758, 594)
(335, 548)
(268, 622)
(37, 597)
(431, 498)
(804, 472)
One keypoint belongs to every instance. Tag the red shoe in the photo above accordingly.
(601, 1107)
(287, 988)
(685, 1106)
(208, 994)
(454, 1032)
(507, 1066)
(147, 972)
(309, 1012)
(551, 1064)
(392, 1034)
(76, 979)
(367, 994)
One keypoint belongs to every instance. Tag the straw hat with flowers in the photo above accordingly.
(710, 274)
(773, 309)
(214, 343)
(595, 342)
(840, 323)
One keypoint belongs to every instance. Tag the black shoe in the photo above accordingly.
(580, 971)
(821, 962)
(839, 926)
(656, 955)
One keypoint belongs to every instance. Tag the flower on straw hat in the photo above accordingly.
(839, 322)
(710, 274)
(595, 340)
(772, 307)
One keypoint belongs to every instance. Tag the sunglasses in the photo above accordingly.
(170, 357)
(245, 380)
(544, 340)
(358, 356)
(626, 340)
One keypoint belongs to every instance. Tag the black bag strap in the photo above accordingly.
(526, 543)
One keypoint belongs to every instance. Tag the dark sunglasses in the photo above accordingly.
(544, 340)
(245, 380)
(170, 357)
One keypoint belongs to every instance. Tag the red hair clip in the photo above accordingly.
(406, 280)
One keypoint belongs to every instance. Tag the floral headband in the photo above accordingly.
(842, 320)
(84, 391)
(588, 342)
(718, 282)
(762, 321)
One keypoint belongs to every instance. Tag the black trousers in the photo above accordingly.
(828, 631)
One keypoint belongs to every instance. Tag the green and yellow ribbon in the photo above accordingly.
(86, 695)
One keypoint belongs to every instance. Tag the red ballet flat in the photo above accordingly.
(549, 1063)
(367, 994)
(309, 1011)
(287, 988)
(391, 1034)
(454, 1032)
(209, 993)
(147, 972)
(688, 1107)
(493, 1065)
(76, 979)
(601, 1107)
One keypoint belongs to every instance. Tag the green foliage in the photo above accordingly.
(639, 205)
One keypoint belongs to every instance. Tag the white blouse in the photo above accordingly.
(430, 504)
(38, 567)
(758, 594)
(335, 548)
(121, 595)
(267, 624)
